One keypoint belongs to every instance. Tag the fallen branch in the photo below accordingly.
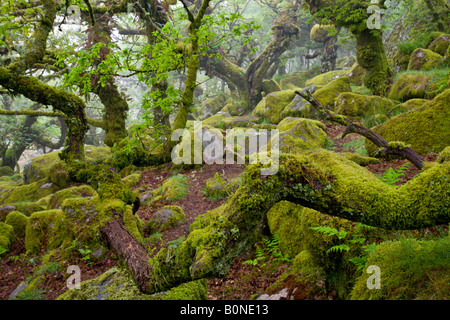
(387, 148)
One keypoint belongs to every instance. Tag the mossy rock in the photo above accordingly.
(7, 236)
(356, 105)
(425, 128)
(40, 167)
(269, 86)
(211, 106)
(26, 193)
(117, 284)
(424, 59)
(410, 269)
(292, 223)
(440, 45)
(165, 218)
(240, 121)
(46, 229)
(410, 86)
(400, 62)
(329, 92)
(325, 78)
(56, 200)
(412, 104)
(297, 79)
(131, 180)
(19, 221)
(6, 171)
(272, 105)
(217, 120)
(444, 155)
(299, 107)
(174, 188)
(297, 135)
(217, 187)
(345, 62)
(356, 74)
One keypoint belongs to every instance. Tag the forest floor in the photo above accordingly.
(242, 281)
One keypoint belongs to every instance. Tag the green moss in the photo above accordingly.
(269, 86)
(6, 171)
(325, 78)
(56, 200)
(319, 33)
(412, 104)
(444, 155)
(356, 74)
(328, 93)
(117, 284)
(298, 134)
(272, 106)
(424, 128)
(359, 159)
(134, 224)
(165, 218)
(173, 189)
(19, 221)
(440, 45)
(44, 166)
(242, 121)
(410, 269)
(46, 229)
(356, 105)
(29, 192)
(297, 79)
(215, 120)
(132, 179)
(6, 235)
(423, 59)
(217, 187)
(410, 86)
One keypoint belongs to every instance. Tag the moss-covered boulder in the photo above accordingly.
(217, 187)
(325, 78)
(46, 229)
(272, 106)
(217, 120)
(19, 221)
(40, 167)
(328, 93)
(297, 135)
(355, 105)
(211, 106)
(117, 284)
(440, 45)
(269, 86)
(174, 188)
(7, 236)
(356, 74)
(424, 59)
(412, 104)
(410, 86)
(26, 193)
(410, 269)
(55, 200)
(297, 79)
(165, 218)
(6, 171)
(240, 121)
(233, 107)
(299, 107)
(400, 61)
(425, 128)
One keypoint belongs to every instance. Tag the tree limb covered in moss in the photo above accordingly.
(397, 149)
(321, 180)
